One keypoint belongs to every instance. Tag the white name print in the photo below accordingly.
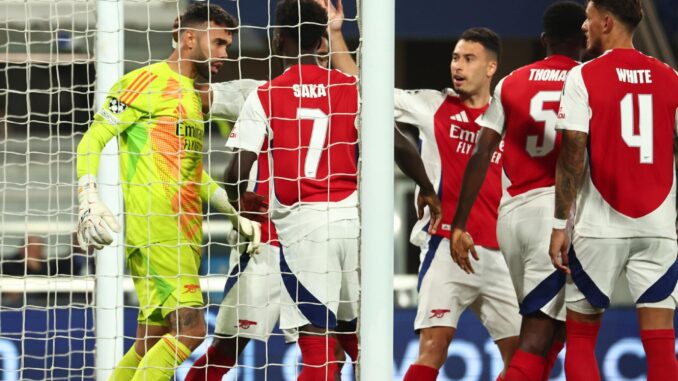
(309, 91)
(634, 76)
(553, 75)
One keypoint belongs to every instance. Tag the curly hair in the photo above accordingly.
(303, 21)
(563, 21)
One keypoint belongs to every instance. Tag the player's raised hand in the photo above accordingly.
(335, 14)
(461, 244)
(431, 200)
(560, 243)
(96, 223)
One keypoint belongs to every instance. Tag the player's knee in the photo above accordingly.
(189, 325)
(433, 351)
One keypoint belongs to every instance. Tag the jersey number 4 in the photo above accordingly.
(549, 118)
(644, 138)
(317, 141)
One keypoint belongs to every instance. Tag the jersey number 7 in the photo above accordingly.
(317, 141)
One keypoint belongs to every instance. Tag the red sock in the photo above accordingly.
(212, 366)
(551, 358)
(580, 359)
(317, 356)
(660, 350)
(525, 366)
(421, 373)
(349, 341)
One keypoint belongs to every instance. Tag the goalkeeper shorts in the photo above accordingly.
(165, 277)
(251, 304)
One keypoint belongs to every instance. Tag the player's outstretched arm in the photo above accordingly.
(408, 160)
(226, 99)
(569, 174)
(96, 223)
(474, 175)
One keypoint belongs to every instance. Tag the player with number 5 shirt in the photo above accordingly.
(524, 111)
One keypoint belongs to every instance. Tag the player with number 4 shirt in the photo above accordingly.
(618, 114)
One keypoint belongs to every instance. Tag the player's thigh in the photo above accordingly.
(346, 237)
(311, 270)
(596, 264)
(497, 305)
(445, 290)
(165, 277)
(526, 238)
(251, 304)
(652, 272)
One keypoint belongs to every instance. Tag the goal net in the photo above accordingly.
(70, 314)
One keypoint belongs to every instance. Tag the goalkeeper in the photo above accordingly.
(156, 114)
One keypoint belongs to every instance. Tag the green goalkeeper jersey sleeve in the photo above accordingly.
(157, 115)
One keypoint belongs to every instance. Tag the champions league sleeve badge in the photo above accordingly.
(116, 106)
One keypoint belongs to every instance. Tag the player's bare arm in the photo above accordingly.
(408, 160)
(569, 174)
(237, 174)
(340, 55)
(474, 175)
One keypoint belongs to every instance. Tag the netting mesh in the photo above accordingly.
(47, 102)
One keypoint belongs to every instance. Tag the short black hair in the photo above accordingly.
(304, 21)
(199, 13)
(563, 21)
(486, 37)
(630, 12)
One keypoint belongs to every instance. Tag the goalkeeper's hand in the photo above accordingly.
(96, 223)
(248, 229)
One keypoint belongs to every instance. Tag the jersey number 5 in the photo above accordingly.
(549, 117)
(645, 133)
(318, 136)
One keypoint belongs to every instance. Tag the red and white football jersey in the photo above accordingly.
(627, 104)
(260, 178)
(309, 116)
(448, 135)
(524, 110)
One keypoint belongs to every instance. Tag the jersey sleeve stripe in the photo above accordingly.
(134, 94)
(134, 84)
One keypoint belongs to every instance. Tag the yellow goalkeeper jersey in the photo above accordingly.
(157, 115)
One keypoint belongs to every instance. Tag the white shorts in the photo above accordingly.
(524, 237)
(251, 304)
(445, 290)
(596, 263)
(320, 277)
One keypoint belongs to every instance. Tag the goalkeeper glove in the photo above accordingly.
(250, 230)
(96, 223)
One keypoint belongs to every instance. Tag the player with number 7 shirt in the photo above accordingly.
(308, 117)
(618, 114)
(524, 111)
